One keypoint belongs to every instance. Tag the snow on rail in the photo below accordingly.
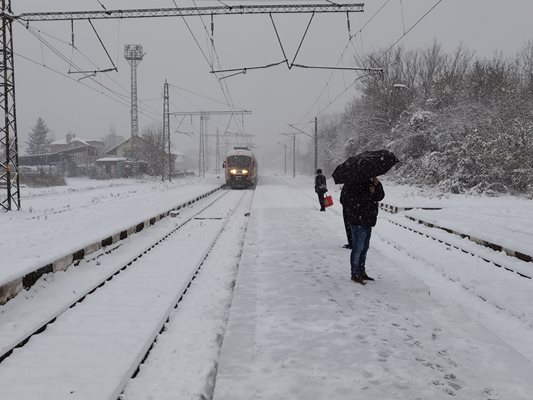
(11, 288)
(496, 247)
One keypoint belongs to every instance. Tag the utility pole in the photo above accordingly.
(293, 134)
(314, 137)
(285, 155)
(294, 156)
(9, 170)
(316, 143)
(133, 53)
(202, 155)
(166, 130)
(217, 154)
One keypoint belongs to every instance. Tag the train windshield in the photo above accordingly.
(239, 161)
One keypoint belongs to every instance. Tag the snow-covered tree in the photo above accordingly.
(152, 149)
(38, 141)
(455, 121)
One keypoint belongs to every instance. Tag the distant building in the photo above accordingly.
(53, 163)
(112, 167)
(83, 152)
(123, 149)
(72, 142)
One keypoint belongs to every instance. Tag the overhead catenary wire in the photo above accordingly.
(202, 51)
(200, 95)
(410, 29)
(214, 50)
(103, 45)
(403, 16)
(350, 41)
(115, 99)
(64, 58)
(388, 50)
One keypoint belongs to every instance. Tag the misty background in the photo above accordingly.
(276, 96)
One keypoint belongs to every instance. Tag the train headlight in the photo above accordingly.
(244, 171)
(233, 171)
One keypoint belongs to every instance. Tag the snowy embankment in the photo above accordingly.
(504, 220)
(55, 222)
(438, 322)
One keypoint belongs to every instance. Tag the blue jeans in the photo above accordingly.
(360, 242)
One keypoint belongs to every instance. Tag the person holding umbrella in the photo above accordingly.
(361, 210)
(360, 196)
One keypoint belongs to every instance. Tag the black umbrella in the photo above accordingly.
(364, 165)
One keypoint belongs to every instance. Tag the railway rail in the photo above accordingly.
(25, 280)
(145, 287)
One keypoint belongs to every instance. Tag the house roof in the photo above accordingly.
(110, 150)
(111, 159)
(64, 141)
(79, 140)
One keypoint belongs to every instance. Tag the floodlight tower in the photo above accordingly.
(133, 53)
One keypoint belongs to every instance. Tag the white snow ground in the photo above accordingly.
(58, 221)
(298, 327)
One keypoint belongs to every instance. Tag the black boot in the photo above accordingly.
(358, 279)
(367, 278)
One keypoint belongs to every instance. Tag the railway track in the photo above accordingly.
(128, 306)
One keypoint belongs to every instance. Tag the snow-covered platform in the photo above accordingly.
(299, 328)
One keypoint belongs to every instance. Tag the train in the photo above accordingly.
(240, 166)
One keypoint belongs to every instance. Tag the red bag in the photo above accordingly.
(328, 201)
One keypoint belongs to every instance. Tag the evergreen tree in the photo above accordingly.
(38, 141)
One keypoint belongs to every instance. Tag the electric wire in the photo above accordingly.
(403, 16)
(303, 37)
(75, 48)
(321, 110)
(203, 53)
(201, 95)
(350, 39)
(73, 65)
(103, 45)
(411, 28)
(119, 101)
(125, 95)
(214, 50)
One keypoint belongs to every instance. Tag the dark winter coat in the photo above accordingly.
(359, 204)
(320, 184)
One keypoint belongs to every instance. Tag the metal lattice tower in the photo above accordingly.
(166, 127)
(202, 164)
(134, 54)
(9, 171)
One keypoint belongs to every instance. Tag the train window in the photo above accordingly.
(238, 161)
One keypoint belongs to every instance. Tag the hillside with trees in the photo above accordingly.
(457, 122)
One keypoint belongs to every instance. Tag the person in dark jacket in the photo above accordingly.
(347, 228)
(361, 211)
(320, 188)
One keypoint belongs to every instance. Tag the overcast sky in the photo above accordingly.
(276, 96)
